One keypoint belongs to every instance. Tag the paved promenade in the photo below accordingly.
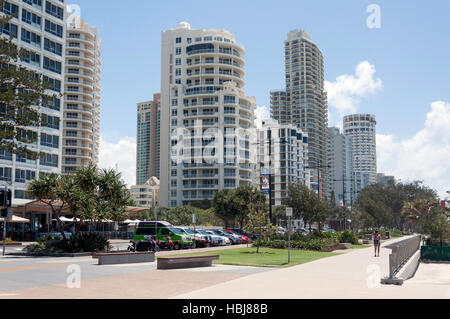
(352, 275)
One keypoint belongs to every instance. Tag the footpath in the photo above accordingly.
(352, 275)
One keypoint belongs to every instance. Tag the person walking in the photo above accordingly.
(377, 242)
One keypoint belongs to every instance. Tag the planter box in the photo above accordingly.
(186, 262)
(124, 258)
(50, 255)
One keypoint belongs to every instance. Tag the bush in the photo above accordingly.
(75, 244)
(348, 237)
(302, 242)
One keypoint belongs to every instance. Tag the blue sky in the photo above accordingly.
(410, 53)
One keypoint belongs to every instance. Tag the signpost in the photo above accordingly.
(193, 222)
(6, 213)
(289, 214)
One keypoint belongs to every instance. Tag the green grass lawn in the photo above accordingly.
(359, 246)
(267, 257)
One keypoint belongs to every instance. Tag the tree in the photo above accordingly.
(225, 207)
(258, 222)
(248, 199)
(306, 205)
(91, 195)
(47, 189)
(430, 217)
(22, 93)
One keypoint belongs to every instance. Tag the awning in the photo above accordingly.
(17, 220)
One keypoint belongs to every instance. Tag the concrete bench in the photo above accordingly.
(186, 262)
(124, 258)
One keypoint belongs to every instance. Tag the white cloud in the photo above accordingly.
(345, 94)
(121, 155)
(261, 113)
(425, 156)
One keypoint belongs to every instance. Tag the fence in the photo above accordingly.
(401, 252)
(435, 253)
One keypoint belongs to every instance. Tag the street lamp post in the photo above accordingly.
(343, 180)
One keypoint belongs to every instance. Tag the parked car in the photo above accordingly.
(243, 239)
(214, 240)
(225, 240)
(329, 230)
(302, 231)
(243, 232)
(235, 239)
(200, 240)
(162, 230)
(281, 231)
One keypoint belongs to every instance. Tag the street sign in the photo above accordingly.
(193, 218)
(289, 212)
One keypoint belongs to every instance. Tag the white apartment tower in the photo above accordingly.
(82, 97)
(304, 103)
(40, 27)
(362, 130)
(282, 152)
(341, 175)
(207, 122)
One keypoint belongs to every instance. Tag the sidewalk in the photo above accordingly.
(353, 275)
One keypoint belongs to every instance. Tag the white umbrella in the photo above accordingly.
(17, 220)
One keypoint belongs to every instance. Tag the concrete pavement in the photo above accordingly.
(353, 275)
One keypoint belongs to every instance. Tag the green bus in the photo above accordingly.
(162, 230)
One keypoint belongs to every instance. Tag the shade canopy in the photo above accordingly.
(16, 220)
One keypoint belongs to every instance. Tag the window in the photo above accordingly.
(31, 18)
(229, 99)
(177, 61)
(5, 174)
(178, 51)
(146, 231)
(10, 29)
(32, 58)
(52, 65)
(5, 155)
(10, 9)
(53, 28)
(178, 40)
(55, 84)
(31, 37)
(53, 47)
(50, 121)
(49, 140)
(54, 10)
(36, 3)
(24, 175)
(177, 72)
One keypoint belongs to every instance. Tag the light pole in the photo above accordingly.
(343, 180)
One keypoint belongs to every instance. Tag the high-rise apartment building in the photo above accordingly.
(282, 152)
(362, 130)
(304, 103)
(40, 27)
(207, 122)
(340, 159)
(81, 137)
(148, 140)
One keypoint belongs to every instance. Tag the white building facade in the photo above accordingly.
(81, 136)
(40, 27)
(282, 152)
(340, 159)
(361, 128)
(207, 122)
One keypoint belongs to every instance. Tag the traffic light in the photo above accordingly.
(8, 198)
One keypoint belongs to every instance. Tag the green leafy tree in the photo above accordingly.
(258, 222)
(225, 207)
(22, 93)
(248, 199)
(91, 195)
(430, 217)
